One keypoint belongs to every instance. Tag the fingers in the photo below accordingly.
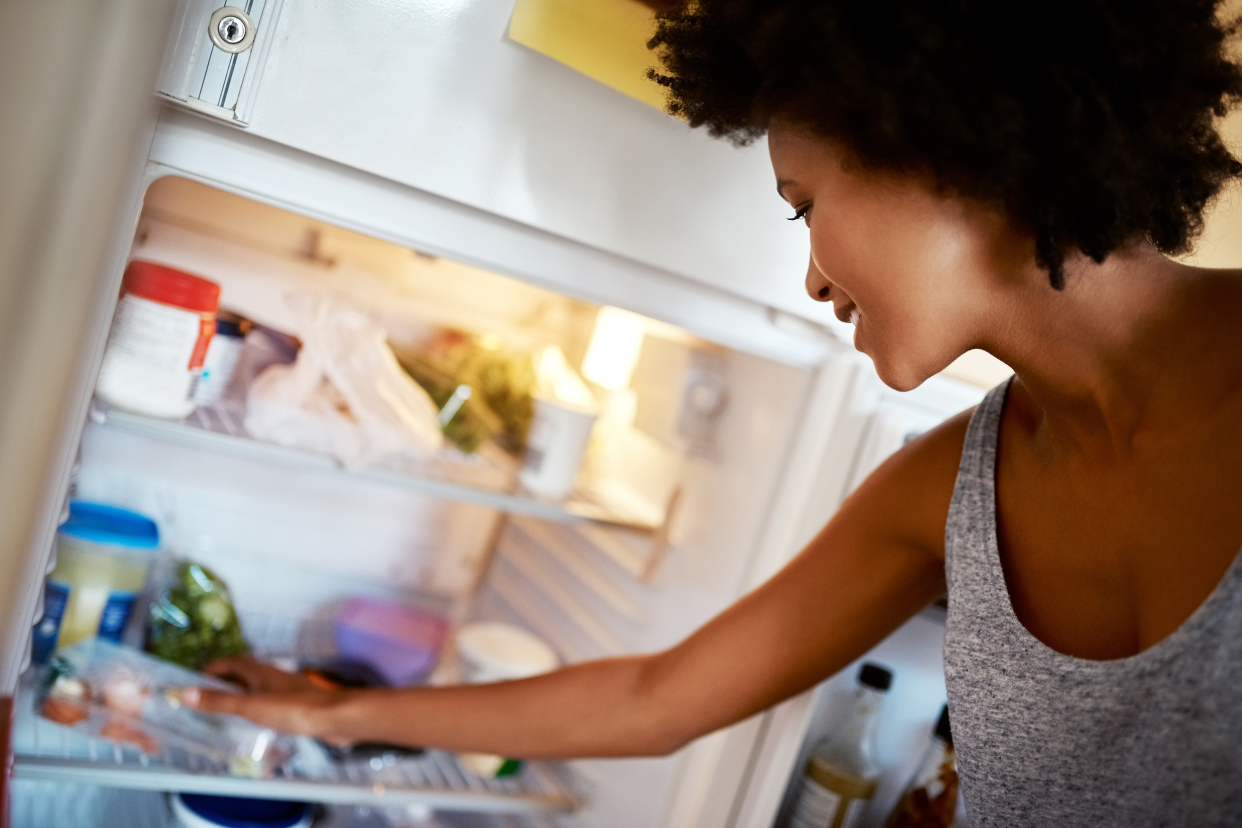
(224, 665)
(238, 669)
(254, 675)
(213, 701)
(294, 713)
(273, 712)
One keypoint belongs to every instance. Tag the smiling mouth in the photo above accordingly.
(854, 314)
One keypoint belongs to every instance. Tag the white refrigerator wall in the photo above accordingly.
(572, 585)
(434, 95)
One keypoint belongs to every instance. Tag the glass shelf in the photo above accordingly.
(485, 479)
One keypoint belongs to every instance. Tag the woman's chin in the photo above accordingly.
(898, 375)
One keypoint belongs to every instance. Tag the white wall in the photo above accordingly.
(432, 94)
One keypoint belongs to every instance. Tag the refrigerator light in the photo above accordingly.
(613, 351)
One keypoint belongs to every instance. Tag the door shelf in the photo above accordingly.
(46, 751)
(479, 480)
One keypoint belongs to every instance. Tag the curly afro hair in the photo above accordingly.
(1089, 122)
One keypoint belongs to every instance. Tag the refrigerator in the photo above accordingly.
(407, 159)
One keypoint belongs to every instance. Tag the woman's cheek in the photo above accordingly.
(833, 249)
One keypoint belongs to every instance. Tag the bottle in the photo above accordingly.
(841, 774)
(930, 800)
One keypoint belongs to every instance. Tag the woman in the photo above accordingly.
(1004, 176)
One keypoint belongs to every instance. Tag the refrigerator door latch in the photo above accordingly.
(231, 30)
(214, 60)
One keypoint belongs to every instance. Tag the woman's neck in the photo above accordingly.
(1126, 352)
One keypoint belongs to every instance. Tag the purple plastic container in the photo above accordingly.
(398, 641)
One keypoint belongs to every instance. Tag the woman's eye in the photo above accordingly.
(801, 212)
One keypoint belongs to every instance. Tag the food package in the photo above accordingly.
(499, 405)
(194, 622)
(123, 694)
(400, 642)
(346, 395)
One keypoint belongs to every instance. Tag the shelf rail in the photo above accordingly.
(478, 481)
(46, 751)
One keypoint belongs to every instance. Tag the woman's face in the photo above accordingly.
(924, 276)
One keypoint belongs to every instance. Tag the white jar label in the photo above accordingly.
(854, 813)
(150, 362)
(218, 366)
(816, 807)
(819, 807)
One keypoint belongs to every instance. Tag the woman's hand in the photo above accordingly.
(300, 713)
(256, 677)
(286, 702)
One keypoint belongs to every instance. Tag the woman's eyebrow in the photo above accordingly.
(781, 184)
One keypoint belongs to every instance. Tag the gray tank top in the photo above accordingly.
(1045, 739)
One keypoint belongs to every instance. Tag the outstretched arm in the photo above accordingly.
(877, 562)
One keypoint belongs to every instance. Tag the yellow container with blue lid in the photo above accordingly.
(102, 557)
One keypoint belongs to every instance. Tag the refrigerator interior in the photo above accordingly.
(294, 533)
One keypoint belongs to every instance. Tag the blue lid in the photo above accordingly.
(239, 812)
(230, 324)
(107, 524)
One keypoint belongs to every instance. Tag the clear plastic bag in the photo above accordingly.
(193, 622)
(346, 395)
(123, 694)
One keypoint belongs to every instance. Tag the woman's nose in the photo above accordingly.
(817, 287)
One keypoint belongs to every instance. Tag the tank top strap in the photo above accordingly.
(970, 529)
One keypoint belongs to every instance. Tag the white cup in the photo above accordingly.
(554, 448)
(500, 652)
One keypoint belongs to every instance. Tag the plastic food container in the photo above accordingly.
(500, 652)
(163, 325)
(125, 695)
(400, 642)
(102, 557)
(222, 356)
(203, 811)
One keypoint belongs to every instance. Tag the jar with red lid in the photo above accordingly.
(163, 324)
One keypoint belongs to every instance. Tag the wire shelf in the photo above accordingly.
(49, 752)
(45, 804)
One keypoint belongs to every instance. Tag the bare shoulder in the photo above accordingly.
(906, 499)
